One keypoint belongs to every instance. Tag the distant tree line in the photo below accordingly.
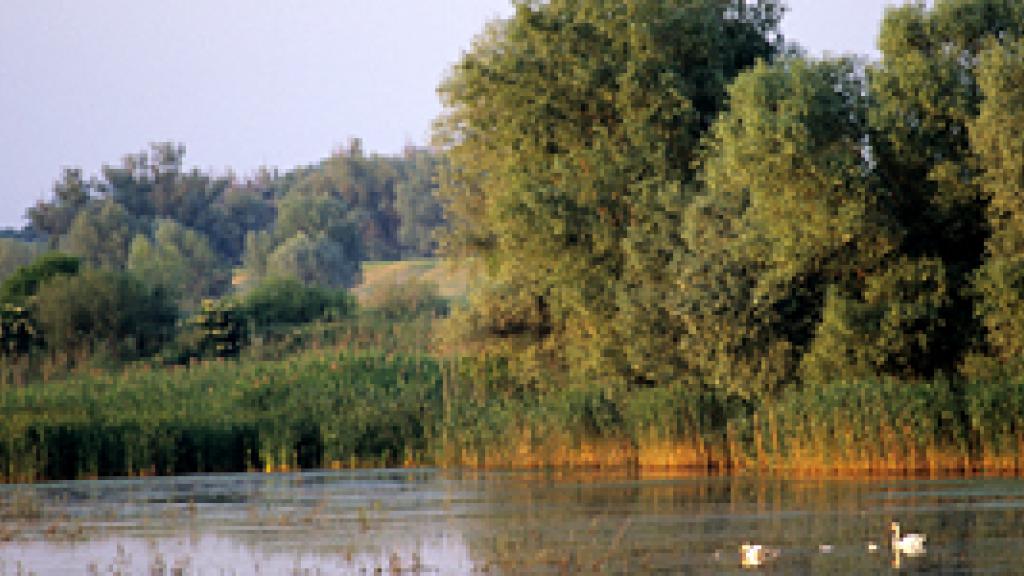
(153, 239)
(349, 207)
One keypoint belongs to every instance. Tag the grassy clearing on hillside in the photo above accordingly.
(452, 282)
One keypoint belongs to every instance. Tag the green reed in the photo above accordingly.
(307, 411)
(348, 402)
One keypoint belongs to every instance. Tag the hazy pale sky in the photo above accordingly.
(250, 83)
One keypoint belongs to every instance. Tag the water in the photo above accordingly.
(436, 522)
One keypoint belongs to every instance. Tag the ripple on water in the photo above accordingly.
(505, 523)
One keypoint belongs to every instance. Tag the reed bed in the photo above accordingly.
(356, 405)
(309, 411)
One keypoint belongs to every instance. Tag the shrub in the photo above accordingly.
(26, 280)
(288, 301)
(17, 330)
(99, 306)
(221, 330)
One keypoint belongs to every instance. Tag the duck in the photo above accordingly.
(909, 544)
(752, 555)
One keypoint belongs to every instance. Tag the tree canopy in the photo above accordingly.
(657, 192)
(570, 132)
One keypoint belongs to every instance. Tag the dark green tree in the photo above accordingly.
(925, 95)
(105, 308)
(221, 330)
(242, 209)
(278, 301)
(25, 282)
(71, 194)
(17, 330)
(418, 208)
(155, 184)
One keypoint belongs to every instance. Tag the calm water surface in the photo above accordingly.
(439, 522)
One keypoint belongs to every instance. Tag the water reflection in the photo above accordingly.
(214, 554)
(426, 521)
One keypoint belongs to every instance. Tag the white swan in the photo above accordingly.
(909, 544)
(752, 555)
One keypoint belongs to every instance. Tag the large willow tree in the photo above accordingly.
(789, 221)
(647, 205)
(571, 130)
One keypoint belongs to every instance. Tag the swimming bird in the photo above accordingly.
(909, 544)
(752, 555)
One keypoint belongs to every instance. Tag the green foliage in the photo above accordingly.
(314, 215)
(391, 198)
(25, 281)
(71, 195)
(925, 96)
(242, 209)
(645, 221)
(258, 246)
(103, 307)
(101, 235)
(179, 261)
(314, 261)
(156, 185)
(315, 240)
(569, 129)
(16, 253)
(312, 411)
(886, 331)
(288, 301)
(17, 330)
(996, 138)
(788, 212)
(366, 205)
(416, 205)
(221, 328)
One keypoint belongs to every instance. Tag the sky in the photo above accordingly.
(250, 83)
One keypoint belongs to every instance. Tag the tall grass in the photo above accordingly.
(369, 396)
(870, 426)
(863, 427)
(314, 410)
